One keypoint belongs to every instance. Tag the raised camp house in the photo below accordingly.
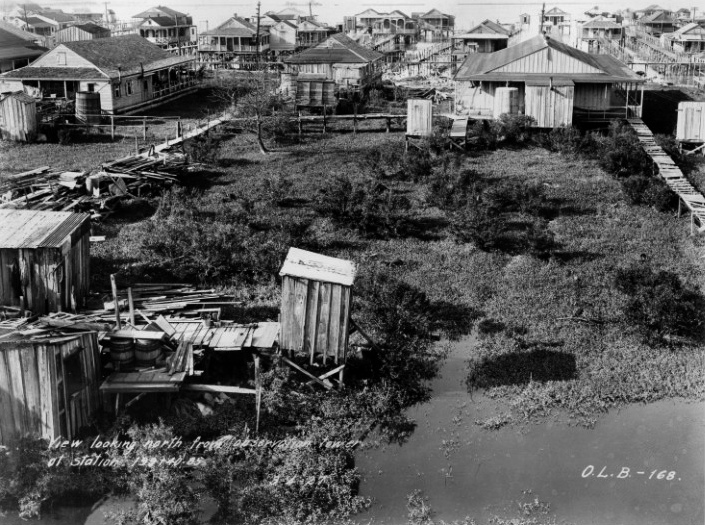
(435, 26)
(169, 29)
(234, 43)
(657, 23)
(17, 51)
(486, 37)
(128, 72)
(351, 66)
(550, 81)
(556, 23)
(688, 39)
(598, 29)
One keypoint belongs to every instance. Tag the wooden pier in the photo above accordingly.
(672, 175)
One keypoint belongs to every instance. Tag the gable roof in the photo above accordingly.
(369, 13)
(601, 24)
(435, 13)
(163, 21)
(159, 11)
(337, 49)
(57, 16)
(492, 66)
(555, 11)
(24, 35)
(657, 17)
(90, 27)
(13, 46)
(688, 28)
(236, 26)
(488, 26)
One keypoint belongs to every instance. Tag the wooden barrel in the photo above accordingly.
(122, 353)
(147, 351)
(88, 107)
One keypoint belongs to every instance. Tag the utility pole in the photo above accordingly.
(107, 21)
(543, 11)
(257, 36)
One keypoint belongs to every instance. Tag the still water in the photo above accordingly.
(605, 475)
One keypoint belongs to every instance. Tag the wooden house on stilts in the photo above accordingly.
(548, 80)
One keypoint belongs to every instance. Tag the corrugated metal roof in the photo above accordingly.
(481, 66)
(337, 49)
(310, 265)
(35, 229)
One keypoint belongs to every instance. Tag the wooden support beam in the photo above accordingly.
(328, 374)
(324, 384)
(219, 388)
(258, 394)
(131, 305)
(113, 285)
(363, 334)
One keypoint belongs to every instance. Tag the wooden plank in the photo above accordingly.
(334, 328)
(306, 373)
(8, 431)
(311, 319)
(324, 320)
(299, 313)
(219, 388)
(137, 334)
(14, 366)
(30, 376)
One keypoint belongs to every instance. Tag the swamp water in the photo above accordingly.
(605, 475)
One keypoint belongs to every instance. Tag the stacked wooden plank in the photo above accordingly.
(670, 173)
(96, 192)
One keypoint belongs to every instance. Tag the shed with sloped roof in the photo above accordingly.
(44, 260)
(555, 82)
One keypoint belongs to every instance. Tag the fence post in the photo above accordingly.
(144, 128)
(324, 118)
(112, 127)
(299, 122)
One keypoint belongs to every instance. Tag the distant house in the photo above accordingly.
(282, 37)
(169, 29)
(543, 78)
(688, 39)
(127, 71)
(436, 26)
(556, 23)
(385, 24)
(599, 28)
(486, 37)
(17, 51)
(86, 31)
(234, 43)
(657, 23)
(352, 67)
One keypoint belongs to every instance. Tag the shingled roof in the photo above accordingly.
(598, 68)
(337, 49)
(13, 46)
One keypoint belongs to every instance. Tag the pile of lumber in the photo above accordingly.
(94, 192)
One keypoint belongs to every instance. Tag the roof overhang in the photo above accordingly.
(531, 79)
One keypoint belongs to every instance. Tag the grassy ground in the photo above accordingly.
(526, 304)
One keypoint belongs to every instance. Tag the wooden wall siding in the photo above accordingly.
(419, 118)
(18, 120)
(315, 317)
(593, 96)
(74, 33)
(48, 280)
(691, 121)
(547, 61)
(482, 98)
(73, 59)
(551, 107)
(32, 381)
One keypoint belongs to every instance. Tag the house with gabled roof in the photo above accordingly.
(84, 31)
(485, 37)
(435, 26)
(353, 68)
(128, 72)
(657, 23)
(234, 44)
(556, 23)
(382, 25)
(688, 39)
(168, 28)
(548, 80)
(597, 29)
(17, 51)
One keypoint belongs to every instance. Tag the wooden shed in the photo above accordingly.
(48, 388)
(691, 122)
(18, 117)
(44, 260)
(316, 302)
(419, 118)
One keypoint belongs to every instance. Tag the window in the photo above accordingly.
(90, 88)
(61, 58)
(116, 90)
(128, 87)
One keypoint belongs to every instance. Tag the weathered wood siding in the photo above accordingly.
(593, 96)
(315, 317)
(547, 60)
(551, 107)
(75, 33)
(34, 398)
(691, 121)
(480, 98)
(18, 119)
(51, 59)
(419, 118)
(48, 279)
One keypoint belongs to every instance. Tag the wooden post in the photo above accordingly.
(258, 395)
(324, 118)
(692, 222)
(112, 127)
(131, 305)
(679, 208)
(355, 118)
(144, 128)
(299, 121)
(389, 125)
(341, 384)
(113, 285)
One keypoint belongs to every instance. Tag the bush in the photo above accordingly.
(475, 224)
(622, 153)
(450, 188)
(512, 129)
(659, 303)
(648, 191)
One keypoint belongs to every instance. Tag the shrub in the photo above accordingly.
(450, 188)
(648, 191)
(622, 154)
(477, 225)
(659, 303)
(512, 129)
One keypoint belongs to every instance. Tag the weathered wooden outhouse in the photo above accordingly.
(691, 122)
(18, 117)
(419, 118)
(44, 260)
(316, 302)
(48, 388)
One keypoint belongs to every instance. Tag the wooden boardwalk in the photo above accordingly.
(672, 175)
